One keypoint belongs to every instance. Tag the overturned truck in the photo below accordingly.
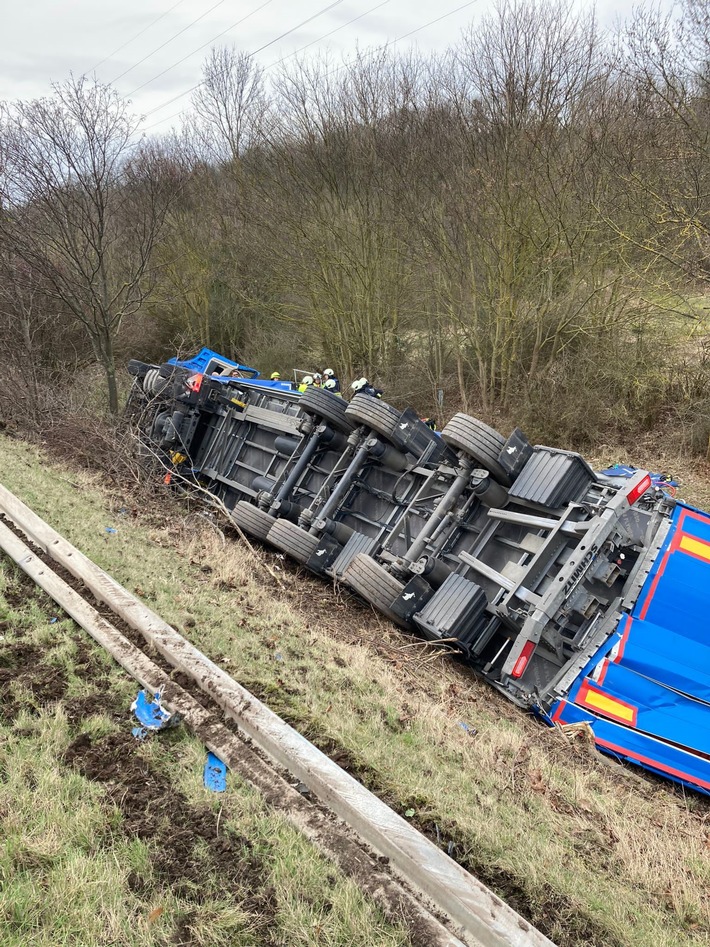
(581, 597)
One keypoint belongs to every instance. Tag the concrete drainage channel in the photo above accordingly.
(433, 885)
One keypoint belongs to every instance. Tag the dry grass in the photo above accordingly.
(592, 852)
(82, 864)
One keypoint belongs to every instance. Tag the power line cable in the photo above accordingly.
(293, 29)
(370, 55)
(128, 42)
(167, 41)
(208, 43)
(326, 35)
(397, 39)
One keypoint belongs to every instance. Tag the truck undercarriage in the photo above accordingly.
(579, 596)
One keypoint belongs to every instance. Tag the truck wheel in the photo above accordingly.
(153, 383)
(252, 520)
(373, 413)
(157, 428)
(327, 406)
(294, 541)
(375, 584)
(479, 441)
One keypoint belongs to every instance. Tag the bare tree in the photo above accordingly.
(525, 267)
(229, 106)
(83, 205)
(665, 174)
(35, 353)
(333, 211)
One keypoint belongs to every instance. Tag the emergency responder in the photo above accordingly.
(306, 382)
(317, 380)
(275, 376)
(363, 386)
(430, 423)
(331, 385)
(329, 375)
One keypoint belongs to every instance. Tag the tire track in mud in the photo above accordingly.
(368, 869)
(192, 856)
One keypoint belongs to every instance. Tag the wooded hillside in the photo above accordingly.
(522, 224)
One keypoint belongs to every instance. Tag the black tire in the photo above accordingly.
(157, 427)
(375, 584)
(294, 541)
(327, 406)
(252, 520)
(373, 413)
(480, 442)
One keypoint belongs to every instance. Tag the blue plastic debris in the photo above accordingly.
(53, 620)
(151, 714)
(111, 529)
(215, 773)
(468, 728)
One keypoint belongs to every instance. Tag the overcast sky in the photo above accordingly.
(152, 50)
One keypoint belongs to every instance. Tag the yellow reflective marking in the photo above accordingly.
(695, 546)
(608, 705)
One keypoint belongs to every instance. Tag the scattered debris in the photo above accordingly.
(215, 777)
(151, 714)
(467, 728)
(661, 481)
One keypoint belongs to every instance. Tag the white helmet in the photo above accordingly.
(328, 373)
(358, 384)
(329, 384)
(307, 380)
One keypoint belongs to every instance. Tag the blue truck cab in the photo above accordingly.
(220, 368)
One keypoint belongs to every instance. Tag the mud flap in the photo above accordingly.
(325, 554)
(415, 594)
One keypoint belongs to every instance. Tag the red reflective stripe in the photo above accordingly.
(522, 661)
(618, 750)
(602, 673)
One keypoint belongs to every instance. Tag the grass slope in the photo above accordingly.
(589, 851)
